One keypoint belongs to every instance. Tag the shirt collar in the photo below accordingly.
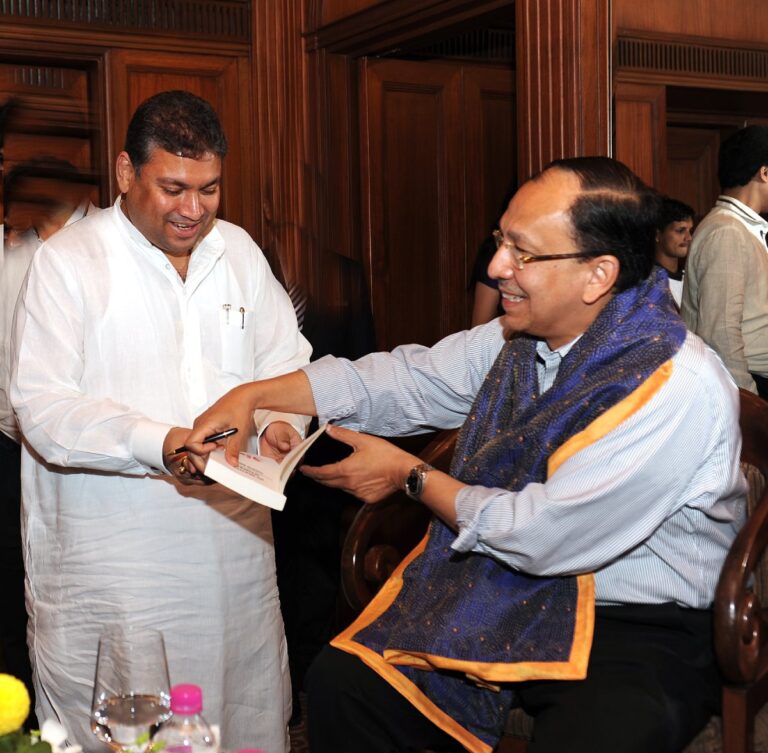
(546, 353)
(756, 224)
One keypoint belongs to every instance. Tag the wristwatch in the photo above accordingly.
(415, 480)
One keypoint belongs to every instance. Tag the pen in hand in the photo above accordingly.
(212, 438)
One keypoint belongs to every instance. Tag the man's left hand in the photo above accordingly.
(374, 470)
(278, 439)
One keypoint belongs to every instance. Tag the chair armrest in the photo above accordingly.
(741, 628)
(382, 534)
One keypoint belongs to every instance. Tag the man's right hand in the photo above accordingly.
(232, 411)
(179, 464)
(289, 393)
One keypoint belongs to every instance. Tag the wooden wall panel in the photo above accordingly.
(563, 76)
(335, 10)
(366, 27)
(136, 75)
(745, 21)
(491, 150)
(413, 198)
(641, 130)
(341, 128)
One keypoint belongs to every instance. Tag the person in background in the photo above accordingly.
(593, 495)
(725, 294)
(131, 322)
(40, 196)
(673, 239)
(487, 300)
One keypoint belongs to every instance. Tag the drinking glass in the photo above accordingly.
(131, 693)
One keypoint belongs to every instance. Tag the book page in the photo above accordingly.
(258, 478)
(292, 459)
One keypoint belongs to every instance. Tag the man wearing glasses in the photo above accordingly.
(593, 494)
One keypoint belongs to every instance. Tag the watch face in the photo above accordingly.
(413, 483)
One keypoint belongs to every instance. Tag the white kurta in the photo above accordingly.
(112, 349)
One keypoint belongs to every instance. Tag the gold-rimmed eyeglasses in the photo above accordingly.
(520, 259)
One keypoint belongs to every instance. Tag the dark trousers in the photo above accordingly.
(762, 385)
(652, 685)
(13, 614)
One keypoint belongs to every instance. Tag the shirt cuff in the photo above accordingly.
(328, 380)
(471, 502)
(147, 442)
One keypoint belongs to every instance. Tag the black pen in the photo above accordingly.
(212, 438)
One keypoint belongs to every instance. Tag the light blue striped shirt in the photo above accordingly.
(651, 508)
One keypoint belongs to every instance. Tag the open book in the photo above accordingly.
(258, 478)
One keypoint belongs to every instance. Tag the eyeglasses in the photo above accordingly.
(520, 260)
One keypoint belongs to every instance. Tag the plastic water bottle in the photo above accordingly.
(186, 731)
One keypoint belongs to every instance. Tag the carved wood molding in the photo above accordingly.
(281, 96)
(40, 77)
(222, 20)
(690, 58)
(563, 74)
(389, 24)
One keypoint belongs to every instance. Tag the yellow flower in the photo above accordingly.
(14, 704)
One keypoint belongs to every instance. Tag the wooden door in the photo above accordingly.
(692, 166)
(437, 141)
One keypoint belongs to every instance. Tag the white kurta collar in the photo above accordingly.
(210, 248)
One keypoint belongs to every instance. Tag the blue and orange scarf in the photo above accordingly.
(453, 631)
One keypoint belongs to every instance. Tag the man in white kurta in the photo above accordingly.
(115, 349)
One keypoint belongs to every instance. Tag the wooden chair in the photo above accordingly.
(381, 535)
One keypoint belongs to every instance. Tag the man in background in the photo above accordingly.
(725, 296)
(40, 196)
(131, 322)
(673, 239)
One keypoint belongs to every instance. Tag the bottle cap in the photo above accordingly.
(186, 699)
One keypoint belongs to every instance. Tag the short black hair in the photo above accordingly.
(741, 155)
(672, 210)
(44, 167)
(615, 214)
(178, 122)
